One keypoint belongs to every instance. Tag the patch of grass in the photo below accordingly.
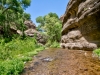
(14, 54)
(97, 52)
(55, 45)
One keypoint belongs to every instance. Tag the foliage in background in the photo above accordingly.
(15, 53)
(12, 15)
(51, 25)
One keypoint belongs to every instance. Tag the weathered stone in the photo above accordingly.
(30, 31)
(34, 33)
(81, 25)
(30, 25)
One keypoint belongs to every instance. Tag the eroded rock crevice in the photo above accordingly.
(74, 40)
(81, 25)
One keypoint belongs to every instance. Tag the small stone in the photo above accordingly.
(48, 59)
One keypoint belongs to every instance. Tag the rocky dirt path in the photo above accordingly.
(63, 62)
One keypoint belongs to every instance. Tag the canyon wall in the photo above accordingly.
(81, 25)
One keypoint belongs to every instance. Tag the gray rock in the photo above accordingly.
(81, 25)
(48, 59)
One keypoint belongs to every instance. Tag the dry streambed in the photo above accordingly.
(63, 62)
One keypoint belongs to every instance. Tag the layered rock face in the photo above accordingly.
(32, 32)
(81, 25)
(30, 25)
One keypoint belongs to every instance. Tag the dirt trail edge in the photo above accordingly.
(63, 62)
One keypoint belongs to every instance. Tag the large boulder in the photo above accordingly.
(81, 25)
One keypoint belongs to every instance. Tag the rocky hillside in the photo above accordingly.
(32, 32)
(81, 25)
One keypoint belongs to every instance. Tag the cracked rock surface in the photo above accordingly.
(81, 25)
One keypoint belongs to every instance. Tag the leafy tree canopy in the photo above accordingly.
(27, 16)
(51, 24)
(12, 14)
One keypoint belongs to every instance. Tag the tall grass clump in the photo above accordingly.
(55, 44)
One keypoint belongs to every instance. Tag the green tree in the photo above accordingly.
(51, 24)
(12, 14)
(27, 16)
(40, 19)
(53, 15)
(41, 22)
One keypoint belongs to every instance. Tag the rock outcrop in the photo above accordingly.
(30, 25)
(81, 25)
(32, 32)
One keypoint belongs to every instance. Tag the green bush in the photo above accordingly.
(11, 67)
(15, 53)
(97, 51)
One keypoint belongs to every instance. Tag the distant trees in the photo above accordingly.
(12, 15)
(51, 24)
(27, 16)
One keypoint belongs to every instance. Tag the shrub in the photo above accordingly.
(97, 51)
(15, 53)
(11, 67)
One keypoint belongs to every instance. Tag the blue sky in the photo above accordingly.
(43, 7)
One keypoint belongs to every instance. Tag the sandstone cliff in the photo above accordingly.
(81, 25)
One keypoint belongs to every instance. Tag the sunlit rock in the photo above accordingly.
(81, 25)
